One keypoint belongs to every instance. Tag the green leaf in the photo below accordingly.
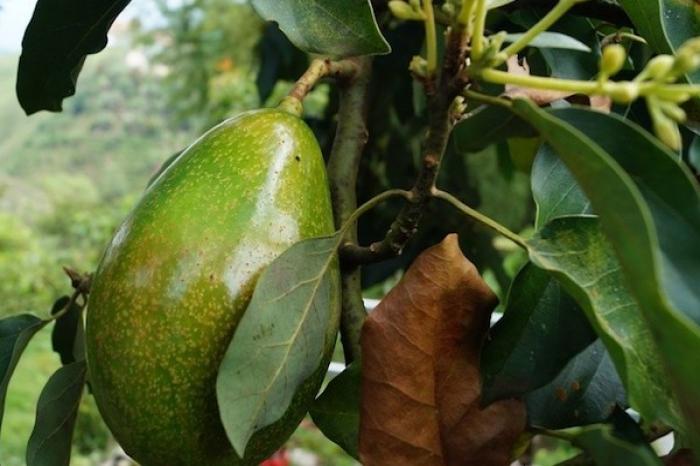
(554, 188)
(585, 392)
(649, 205)
(57, 410)
(552, 40)
(58, 38)
(575, 250)
(282, 339)
(562, 63)
(542, 327)
(327, 27)
(337, 411)
(15, 333)
(541, 330)
(607, 449)
(279, 60)
(66, 336)
(665, 24)
(493, 4)
(488, 125)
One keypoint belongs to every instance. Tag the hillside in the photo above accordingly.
(66, 180)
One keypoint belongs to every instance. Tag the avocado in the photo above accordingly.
(178, 276)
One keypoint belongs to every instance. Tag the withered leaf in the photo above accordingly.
(420, 374)
(539, 96)
(544, 97)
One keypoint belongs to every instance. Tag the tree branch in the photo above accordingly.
(440, 93)
(343, 165)
(319, 69)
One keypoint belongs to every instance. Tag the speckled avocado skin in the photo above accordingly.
(178, 275)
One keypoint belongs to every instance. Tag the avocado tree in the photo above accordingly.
(205, 332)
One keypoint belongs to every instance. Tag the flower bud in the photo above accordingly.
(449, 9)
(403, 10)
(673, 111)
(665, 128)
(624, 92)
(691, 44)
(667, 131)
(419, 66)
(612, 60)
(687, 60)
(659, 67)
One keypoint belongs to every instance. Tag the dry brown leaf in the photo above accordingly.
(539, 96)
(543, 96)
(420, 371)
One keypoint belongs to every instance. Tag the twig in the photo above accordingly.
(343, 165)
(319, 69)
(440, 92)
(481, 218)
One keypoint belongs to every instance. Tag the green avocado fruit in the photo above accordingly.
(178, 276)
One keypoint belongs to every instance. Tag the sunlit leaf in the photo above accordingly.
(282, 342)
(328, 27)
(649, 207)
(577, 252)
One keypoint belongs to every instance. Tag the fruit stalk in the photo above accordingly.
(319, 69)
(343, 165)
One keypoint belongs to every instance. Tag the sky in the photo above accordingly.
(15, 15)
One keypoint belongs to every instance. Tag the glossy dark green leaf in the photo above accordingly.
(576, 251)
(541, 330)
(56, 412)
(59, 37)
(585, 392)
(337, 411)
(15, 333)
(552, 40)
(665, 24)
(488, 125)
(649, 205)
(694, 153)
(607, 449)
(562, 63)
(554, 188)
(282, 339)
(279, 60)
(327, 27)
(65, 336)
